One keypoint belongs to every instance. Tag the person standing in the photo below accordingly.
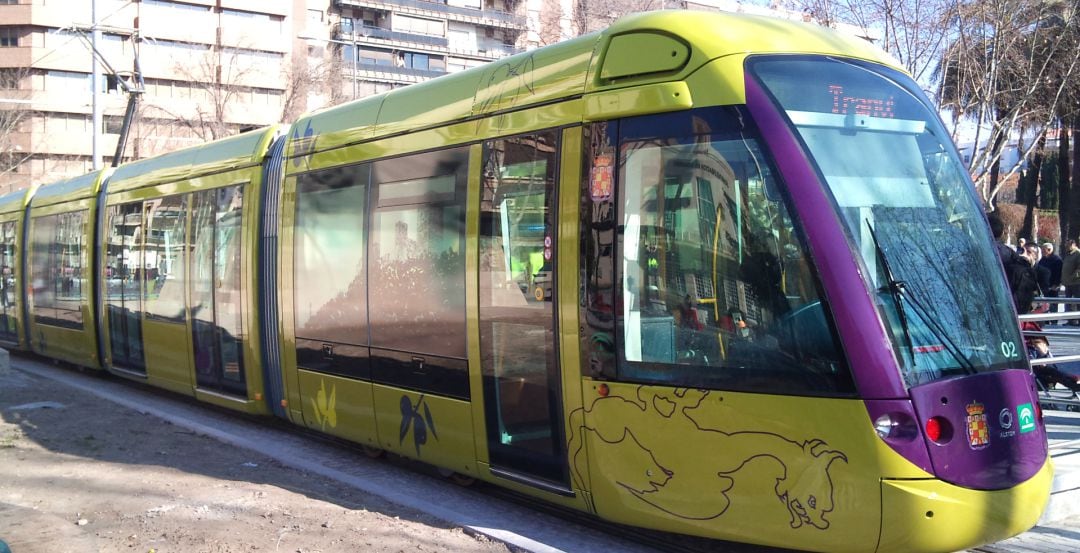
(1042, 273)
(1019, 272)
(1052, 262)
(1070, 275)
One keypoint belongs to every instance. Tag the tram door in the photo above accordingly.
(124, 276)
(215, 290)
(517, 315)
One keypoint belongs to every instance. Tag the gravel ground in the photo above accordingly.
(78, 474)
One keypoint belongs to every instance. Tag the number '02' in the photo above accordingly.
(1008, 349)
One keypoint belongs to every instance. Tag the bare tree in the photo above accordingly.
(551, 16)
(1009, 66)
(913, 31)
(15, 114)
(593, 15)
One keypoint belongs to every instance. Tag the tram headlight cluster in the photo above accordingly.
(896, 426)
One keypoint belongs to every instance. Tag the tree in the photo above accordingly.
(593, 15)
(15, 114)
(1007, 67)
(913, 31)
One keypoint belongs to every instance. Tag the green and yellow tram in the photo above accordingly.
(682, 274)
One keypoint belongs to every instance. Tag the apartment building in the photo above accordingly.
(373, 46)
(209, 68)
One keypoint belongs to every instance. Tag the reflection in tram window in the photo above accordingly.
(216, 274)
(517, 252)
(331, 291)
(123, 279)
(8, 286)
(56, 268)
(716, 287)
(418, 254)
(164, 257)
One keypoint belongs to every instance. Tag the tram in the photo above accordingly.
(697, 273)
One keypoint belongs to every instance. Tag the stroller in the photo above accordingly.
(1060, 381)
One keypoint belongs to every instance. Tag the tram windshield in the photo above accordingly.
(908, 209)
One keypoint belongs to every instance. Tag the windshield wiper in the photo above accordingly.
(898, 290)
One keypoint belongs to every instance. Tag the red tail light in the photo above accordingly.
(933, 429)
(938, 430)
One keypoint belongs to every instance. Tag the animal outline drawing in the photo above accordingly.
(803, 482)
(509, 80)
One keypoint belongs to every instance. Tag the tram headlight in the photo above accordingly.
(884, 425)
(896, 426)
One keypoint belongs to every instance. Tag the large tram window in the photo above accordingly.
(517, 324)
(330, 271)
(418, 254)
(9, 289)
(908, 209)
(331, 292)
(716, 287)
(125, 265)
(216, 274)
(56, 268)
(164, 282)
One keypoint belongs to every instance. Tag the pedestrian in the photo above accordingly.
(1070, 276)
(1021, 245)
(1052, 262)
(1019, 273)
(1042, 273)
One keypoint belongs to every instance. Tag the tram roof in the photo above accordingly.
(648, 48)
(75, 188)
(235, 152)
(17, 200)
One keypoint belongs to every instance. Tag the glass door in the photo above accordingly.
(522, 396)
(216, 290)
(124, 275)
(9, 289)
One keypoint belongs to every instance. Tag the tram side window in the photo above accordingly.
(125, 265)
(216, 278)
(329, 271)
(124, 258)
(418, 254)
(717, 290)
(331, 291)
(56, 267)
(164, 282)
(8, 287)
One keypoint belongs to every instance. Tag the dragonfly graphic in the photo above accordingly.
(420, 424)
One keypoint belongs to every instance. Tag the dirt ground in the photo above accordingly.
(79, 474)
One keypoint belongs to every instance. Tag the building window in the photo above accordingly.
(418, 25)
(9, 36)
(175, 5)
(67, 81)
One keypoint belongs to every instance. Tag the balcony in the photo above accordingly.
(491, 18)
(374, 67)
(354, 33)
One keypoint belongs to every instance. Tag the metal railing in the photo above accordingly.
(482, 15)
(399, 70)
(353, 32)
(1054, 397)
